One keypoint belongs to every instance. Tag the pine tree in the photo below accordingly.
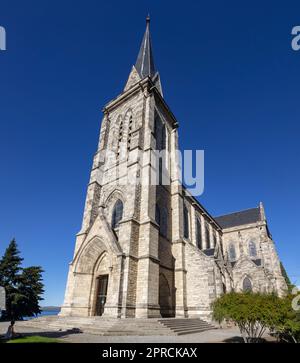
(31, 288)
(10, 266)
(23, 286)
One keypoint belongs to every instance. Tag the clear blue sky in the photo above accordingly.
(229, 75)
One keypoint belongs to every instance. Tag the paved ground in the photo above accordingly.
(230, 335)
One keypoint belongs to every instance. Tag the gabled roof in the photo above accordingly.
(247, 216)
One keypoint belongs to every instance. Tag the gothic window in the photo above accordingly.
(164, 222)
(198, 233)
(160, 138)
(247, 285)
(161, 218)
(159, 133)
(120, 137)
(163, 137)
(232, 254)
(185, 222)
(252, 249)
(157, 214)
(117, 214)
(130, 125)
(207, 236)
(214, 239)
(160, 170)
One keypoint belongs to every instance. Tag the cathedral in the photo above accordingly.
(149, 250)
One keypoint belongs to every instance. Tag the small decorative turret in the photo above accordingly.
(262, 211)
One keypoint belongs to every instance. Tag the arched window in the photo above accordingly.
(232, 254)
(163, 137)
(215, 239)
(130, 125)
(207, 236)
(120, 137)
(185, 222)
(159, 133)
(161, 218)
(252, 249)
(198, 233)
(164, 222)
(247, 285)
(160, 138)
(157, 214)
(160, 170)
(117, 214)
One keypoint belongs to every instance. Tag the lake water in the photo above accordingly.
(43, 313)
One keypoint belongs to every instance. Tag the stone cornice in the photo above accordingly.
(125, 95)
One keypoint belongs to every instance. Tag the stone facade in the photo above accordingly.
(254, 254)
(148, 250)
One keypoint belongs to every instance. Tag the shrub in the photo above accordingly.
(289, 330)
(253, 313)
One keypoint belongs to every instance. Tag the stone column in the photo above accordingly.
(147, 294)
(178, 245)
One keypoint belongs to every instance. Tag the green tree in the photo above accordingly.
(23, 286)
(289, 329)
(10, 266)
(31, 289)
(252, 312)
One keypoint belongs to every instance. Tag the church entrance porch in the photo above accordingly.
(102, 283)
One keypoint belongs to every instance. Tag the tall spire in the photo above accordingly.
(145, 63)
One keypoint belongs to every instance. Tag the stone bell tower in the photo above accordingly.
(116, 267)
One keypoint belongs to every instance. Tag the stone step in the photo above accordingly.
(183, 328)
(115, 327)
(193, 331)
(185, 323)
(186, 326)
(180, 320)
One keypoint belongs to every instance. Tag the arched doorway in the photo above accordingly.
(101, 275)
(94, 260)
(101, 295)
(165, 298)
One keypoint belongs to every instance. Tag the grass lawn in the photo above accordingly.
(34, 339)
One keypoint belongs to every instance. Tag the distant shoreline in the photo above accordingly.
(50, 308)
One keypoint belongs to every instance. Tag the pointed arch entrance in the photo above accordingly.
(101, 280)
(101, 295)
(94, 280)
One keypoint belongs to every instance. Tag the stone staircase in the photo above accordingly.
(186, 326)
(101, 326)
(117, 327)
